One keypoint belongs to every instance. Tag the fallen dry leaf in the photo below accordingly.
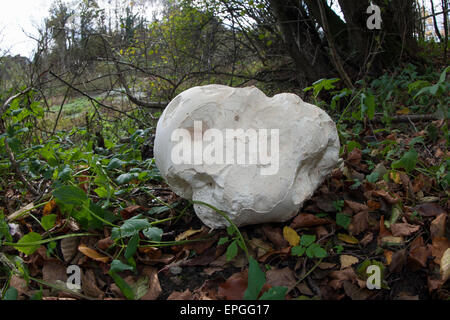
(373, 205)
(234, 287)
(384, 232)
(347, 261)
(355, 292)
(185, 295)
(105, 243)
(438, 247)
(186, 234)
(19, 284)
(403, 229)
(260, 247)
(392, 241)
(326, 265)
(154, 287)
(395, 176)
(91, 253)
(305, 220)
(429, 209)
(347, 238)
(356, 206)
(398, 261)
(69, 247)
(89, 285)
(275, 235)
(280, 277)
(130, 211)
(291, 236)
(54, 272)
(339, 276)
(418, 255)
(445, 265)
(392, 199)
(49, 207)
(438, 225)
(360, 223)
(368, 237)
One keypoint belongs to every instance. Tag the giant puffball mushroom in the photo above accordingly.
(254, 157)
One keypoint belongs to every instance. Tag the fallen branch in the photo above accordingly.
(408, 118)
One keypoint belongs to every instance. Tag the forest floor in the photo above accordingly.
(365, 213)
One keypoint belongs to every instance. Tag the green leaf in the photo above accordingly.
(38, 295)
(274, 293)
(11, 294)
(30, 237)
(126, 177)
(222, 240)
(153, 233)
(373, 177)
(256, 280)
(352, 145)
(4, 229)
(130, 227)
(343, 220)
(127, 291)
(132, 246)
(230, 230)
(298, 251)
(307, 239)
(118, 266)
(115, 163)
(48, 222)
(70, 195)
(232, 251)
(369, 103)
(316, 251)
(65, 174)
(157, 210)
(408, 161)
(101, 192)
(338, 249)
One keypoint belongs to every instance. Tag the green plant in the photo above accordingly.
(256, 277)
(307, 245)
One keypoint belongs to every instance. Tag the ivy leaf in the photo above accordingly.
(256, 280)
